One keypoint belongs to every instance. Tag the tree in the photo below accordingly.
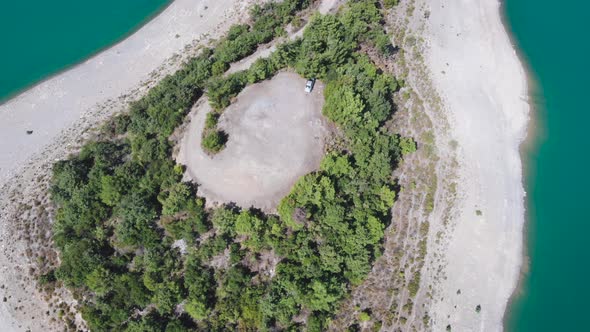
(364, 316)
(211, 120)
(68, 176)
(324, 45)
(78, 260)
(250, 225)
(260, 70)
(167, 295)
(343, 106)
(336, 164)
(176, 198)
(152, 322)
(112, 189)
(224, 220)
(99, 281)
(137, 226)
(196, 309)
(221, 90)
(320, 297)
(200, 284)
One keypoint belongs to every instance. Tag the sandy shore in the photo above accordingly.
(59, 102)
(61, 109)
(483, 87)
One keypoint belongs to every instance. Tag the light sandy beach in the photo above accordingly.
(483, 86)
(60, 109)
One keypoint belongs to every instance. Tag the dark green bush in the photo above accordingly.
(214, 141)
(390, 3)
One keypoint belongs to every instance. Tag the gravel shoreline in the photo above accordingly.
(483, 85)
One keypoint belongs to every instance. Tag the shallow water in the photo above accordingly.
(553, 39)
(40, 38)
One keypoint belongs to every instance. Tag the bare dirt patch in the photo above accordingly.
(276, 135)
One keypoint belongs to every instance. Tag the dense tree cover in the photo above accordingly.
(146, 255)
(242, 40)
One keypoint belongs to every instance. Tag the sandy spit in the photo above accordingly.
(60, 111)
(476, 71)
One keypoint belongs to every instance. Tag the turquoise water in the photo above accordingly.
(40, 38)
(553, 38)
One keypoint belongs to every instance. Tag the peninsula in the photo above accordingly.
(184, 179)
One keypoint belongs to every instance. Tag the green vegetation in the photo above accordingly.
(407, 145)
(241, 41)
(122, 208)
(214, 140)
(364, 316)
(390, 3)
(414, 284)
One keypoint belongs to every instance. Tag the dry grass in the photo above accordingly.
(395, 291)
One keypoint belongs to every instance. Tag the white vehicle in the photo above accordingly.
(309, 85)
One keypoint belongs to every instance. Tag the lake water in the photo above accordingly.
(40, 38)
(553, 39)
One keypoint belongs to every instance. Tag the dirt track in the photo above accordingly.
(276, 135)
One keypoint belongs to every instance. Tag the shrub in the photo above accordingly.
(47, 278)
(214, 141)
(221, 90)
(219, 67)
(390, 3)
(364, 316)
(211, 120)
(407, 145)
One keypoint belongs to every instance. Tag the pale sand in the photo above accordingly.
(483, 87)
(62, 108)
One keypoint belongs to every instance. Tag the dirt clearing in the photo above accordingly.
(276, 135)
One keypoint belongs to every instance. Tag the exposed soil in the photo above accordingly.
(276, 135)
